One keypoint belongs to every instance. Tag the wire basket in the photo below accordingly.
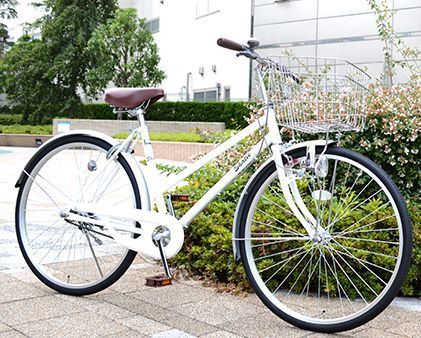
(315, 95)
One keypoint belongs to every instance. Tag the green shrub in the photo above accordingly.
(9, 119)
(27, 129)
(390, 139)
(4, 109)
(232, 113)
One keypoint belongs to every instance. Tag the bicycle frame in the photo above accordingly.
(157, 186)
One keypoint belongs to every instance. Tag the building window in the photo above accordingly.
(205, 95)
(205, 8)
(227, 93)
(152, 25)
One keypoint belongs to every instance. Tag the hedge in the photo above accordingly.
(232, 113)
(8, 119)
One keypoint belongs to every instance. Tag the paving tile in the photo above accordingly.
(4, 278)
(172, 334)
(109, 310)
(4, 327)
(16, 290)
(35, 309)
(189, 325)
(11, 334)
(389, 318)
(218, 310)
(326, 335)
(136, 306)
(220, 334)
(263, 325)
(134, 279)
(253, 299)
(81, 301)
(173, 295)
(370, 333)
(144, 325)
(410, 329)
(129, 333)
(74, 325)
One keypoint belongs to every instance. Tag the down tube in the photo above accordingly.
(237, 169)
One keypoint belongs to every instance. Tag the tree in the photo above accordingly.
(24, 75)
(123, 52)
(405, 56)
(66, 30)
(7, 9)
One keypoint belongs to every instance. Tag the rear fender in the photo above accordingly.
(135, 166)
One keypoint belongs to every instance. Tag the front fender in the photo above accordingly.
(135, 166)
(265, 166)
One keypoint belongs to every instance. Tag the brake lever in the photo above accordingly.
(248, 54)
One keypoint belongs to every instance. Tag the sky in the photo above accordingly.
(26, 13)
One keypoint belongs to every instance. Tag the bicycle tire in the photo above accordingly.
(32, 235)
(301, 310)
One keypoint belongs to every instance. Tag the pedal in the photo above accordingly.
(180, 197)
(158, 281)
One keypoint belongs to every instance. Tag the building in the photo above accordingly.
(186, 33)
(334, 28)
(197, 69)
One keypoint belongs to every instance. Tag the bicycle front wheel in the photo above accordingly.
(75, 258)
(354, 265)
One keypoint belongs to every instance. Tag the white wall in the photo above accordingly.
(346, 29)
(187, 41)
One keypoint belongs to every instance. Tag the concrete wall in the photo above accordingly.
(21, 140)
(176, 151)
(173, 151)
(112, 127)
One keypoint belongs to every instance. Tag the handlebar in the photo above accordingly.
(248, 51)
(225, 43)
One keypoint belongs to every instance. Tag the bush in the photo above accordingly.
(232, 113)
(390, 139)
(8, 119)
(391, 135)
(26, 129)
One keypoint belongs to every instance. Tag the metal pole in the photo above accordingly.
(252, 36)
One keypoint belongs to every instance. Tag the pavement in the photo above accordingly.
(131, 309)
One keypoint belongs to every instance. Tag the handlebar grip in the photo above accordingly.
(230, 45)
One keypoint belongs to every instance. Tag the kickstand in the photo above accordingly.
(161, 280)
(164, 258)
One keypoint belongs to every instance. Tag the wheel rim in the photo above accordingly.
(320, 280)
(65, 254)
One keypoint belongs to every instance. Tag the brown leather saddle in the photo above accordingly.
(129, 98)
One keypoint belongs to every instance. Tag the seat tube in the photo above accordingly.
(156, 193)
(146, 140)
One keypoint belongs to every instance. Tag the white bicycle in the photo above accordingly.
(322, 232)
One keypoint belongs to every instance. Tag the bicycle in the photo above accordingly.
(322, 232)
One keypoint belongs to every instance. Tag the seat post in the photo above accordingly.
(144, 131)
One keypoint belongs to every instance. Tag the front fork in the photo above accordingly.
(288, 180)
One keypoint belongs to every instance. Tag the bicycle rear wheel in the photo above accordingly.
(352, 268)
(74, 258)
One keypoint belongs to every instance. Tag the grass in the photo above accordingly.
(26, 129)
(169, 137)
(184, 137)
(173, 137)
